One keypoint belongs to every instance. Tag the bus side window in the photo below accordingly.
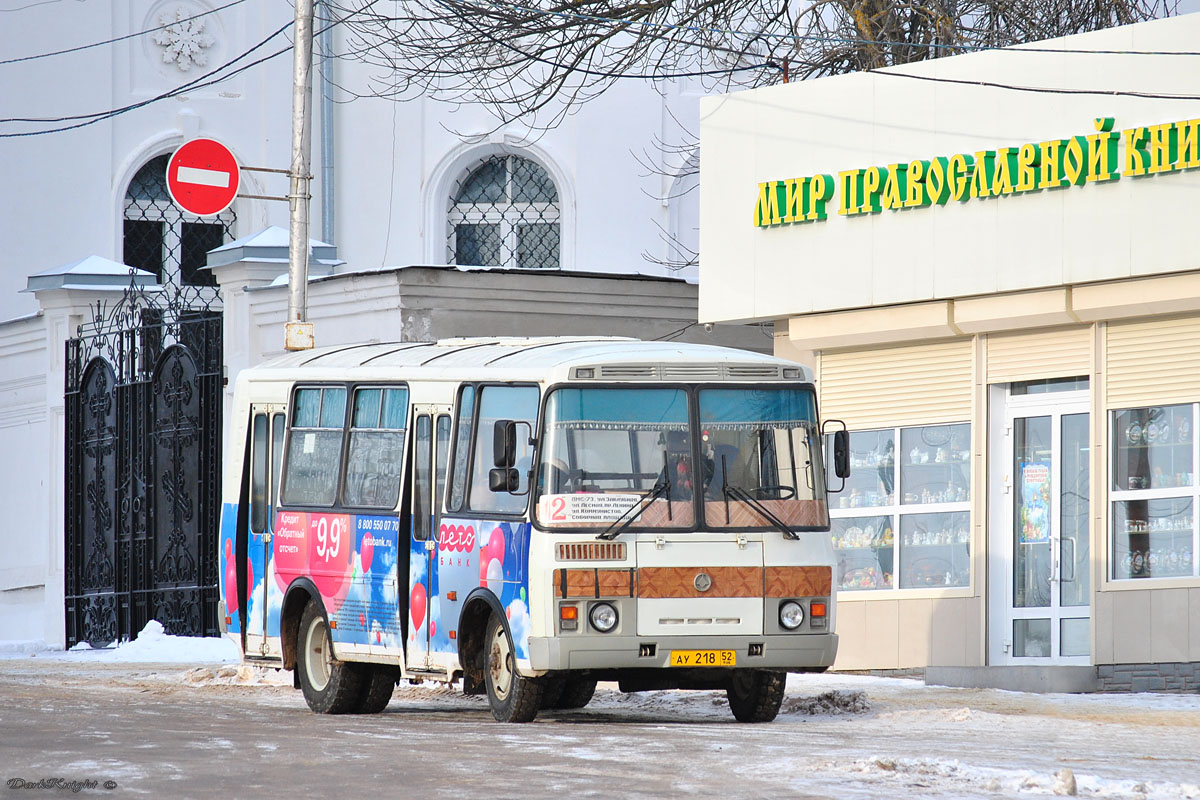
(517, 403)
(315, 446)
(278, 421)
(441, 457)
(462, 448)
(422, 517)
(375, 458)
(258, 474)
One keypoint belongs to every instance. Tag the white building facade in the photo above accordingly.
(396, 184)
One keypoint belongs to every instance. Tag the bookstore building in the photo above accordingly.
(992, 262)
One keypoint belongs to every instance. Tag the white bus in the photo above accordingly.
(529, 516)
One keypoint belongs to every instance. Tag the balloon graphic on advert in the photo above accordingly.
(495, 547)
(495, 575)
(433, 627)
(228, 550)
(231, 595)
(416, 604)
(366, 552)
(289, 547)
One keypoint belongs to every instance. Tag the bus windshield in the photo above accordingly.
(764, 448)
(632, 455)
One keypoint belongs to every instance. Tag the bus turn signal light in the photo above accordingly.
(816, 610)
(568, 616)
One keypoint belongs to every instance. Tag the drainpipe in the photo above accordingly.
(327, 133)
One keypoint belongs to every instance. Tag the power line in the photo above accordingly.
(119, 38)
(1035, 89)
(198, 83)
(194, 83)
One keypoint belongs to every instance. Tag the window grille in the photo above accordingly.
(164, 240)
(505, 213)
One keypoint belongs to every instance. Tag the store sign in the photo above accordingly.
(1106, 155)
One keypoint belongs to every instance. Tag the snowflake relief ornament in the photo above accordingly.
(183, 40)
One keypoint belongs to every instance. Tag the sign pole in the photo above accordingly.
(299, 332)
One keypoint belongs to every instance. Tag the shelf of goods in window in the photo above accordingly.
(951, 494)
(1163, 562)
(866, 499)
(919, 457)
(866, 578)
(864, 538)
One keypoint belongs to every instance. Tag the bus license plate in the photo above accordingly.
(703, 658)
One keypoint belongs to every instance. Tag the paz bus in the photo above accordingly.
(529, 516)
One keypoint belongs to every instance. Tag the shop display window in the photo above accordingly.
(922, 489)
(1154, 492)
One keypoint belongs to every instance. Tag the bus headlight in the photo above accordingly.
(603, 617)
(791, 615)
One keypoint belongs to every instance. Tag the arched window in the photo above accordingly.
(161, 238)
(505, 213)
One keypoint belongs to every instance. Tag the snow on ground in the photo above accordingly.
(152, 645)
(862, 736)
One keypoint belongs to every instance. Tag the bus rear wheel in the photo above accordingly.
(755, 695)
(330, 686)
(512, 697)
(378, 683)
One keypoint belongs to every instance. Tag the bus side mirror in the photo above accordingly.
(504, 479)
(504, 444)
(841, 453)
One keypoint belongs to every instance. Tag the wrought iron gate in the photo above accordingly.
(143, 456)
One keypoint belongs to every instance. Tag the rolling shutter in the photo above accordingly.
(918, 384)
(1063, 353)
(1153, 363)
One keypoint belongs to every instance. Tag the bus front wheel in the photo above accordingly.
(755, 695)
(330, 686)
(512, 697)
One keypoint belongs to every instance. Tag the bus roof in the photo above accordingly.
(538, 358)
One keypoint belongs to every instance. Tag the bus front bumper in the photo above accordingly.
(798, 652)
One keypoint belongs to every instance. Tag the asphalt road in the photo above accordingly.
(156, 730)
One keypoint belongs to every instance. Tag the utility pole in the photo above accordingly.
(298, 334)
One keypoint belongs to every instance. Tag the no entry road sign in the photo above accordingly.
(203, 177)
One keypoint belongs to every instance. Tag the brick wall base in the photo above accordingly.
(1176, 677)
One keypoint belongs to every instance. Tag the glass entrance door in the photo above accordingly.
(1044, 542)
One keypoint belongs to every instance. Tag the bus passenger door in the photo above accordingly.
(431, 440)
(266, 455)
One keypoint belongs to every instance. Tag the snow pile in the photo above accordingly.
(236, 675)
(833, 702)
(907, 776)
(152, 645)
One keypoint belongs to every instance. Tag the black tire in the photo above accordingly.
(755, 695)
(378, 683)
(552, 689)
(330, 686)
(512, 697)
(576, 693)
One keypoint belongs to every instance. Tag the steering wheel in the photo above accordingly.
(759, 491)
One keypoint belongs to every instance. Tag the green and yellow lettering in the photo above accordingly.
(1187, 135)
(915, 195)
(1027, 164)
(851, 188)
(820, 190)
(1075, 161)
(896, 187)
(794, 204)
(1050, 176)
(1136, 157)
(937, 182)
(959, 175)
(985, 165)
(873, 180)
(1164, 148)
(1006, 166)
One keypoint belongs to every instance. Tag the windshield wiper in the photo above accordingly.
(741, 494)
(662, 487)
